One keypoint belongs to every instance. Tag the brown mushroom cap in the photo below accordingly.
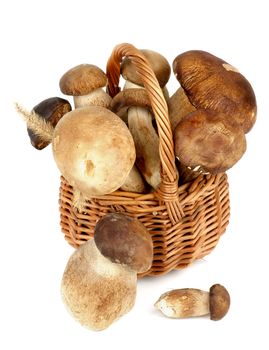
(210, 140)
(211, 83)
(82, 79)
(51, 110)
(130, 98)
(124, 240)
(94, 150)
(158, 63)
(219, 302)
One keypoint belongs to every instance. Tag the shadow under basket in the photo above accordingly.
(185, 222)
(206, 211)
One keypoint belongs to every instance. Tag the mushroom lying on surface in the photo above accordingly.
(85, 82)
(51, 110)
(191, 302)
(211, 83)
(140, 118)
(208, 141)
(99, 282)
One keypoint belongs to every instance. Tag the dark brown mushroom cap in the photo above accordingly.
(211, 83)
(219, 302)
(82, 79)
(51, 110)
(124, 240)
(210, 140)
(158, 63)
(128, 98)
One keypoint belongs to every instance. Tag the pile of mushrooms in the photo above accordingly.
(106, 144)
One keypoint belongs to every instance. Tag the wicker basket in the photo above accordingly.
(185, 221)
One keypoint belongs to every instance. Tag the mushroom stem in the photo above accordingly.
(97, 97)
(134, 182)
(146, 144)
(179, 106)
(95, 290)
(37, 124)
(182, 303)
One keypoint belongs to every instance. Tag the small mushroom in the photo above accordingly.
(208, 141)
(140, 118)
(94, 150)
(191, 302)
(85, 82)
(51, 110)
(99, 282)
(211, 83)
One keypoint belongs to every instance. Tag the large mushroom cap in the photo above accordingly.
(94, 150)
(124, 240)
(158, 63)
(211, 83)
(219, 302)
(210, 140)
(82, 79)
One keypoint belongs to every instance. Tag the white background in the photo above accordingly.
(40, 40)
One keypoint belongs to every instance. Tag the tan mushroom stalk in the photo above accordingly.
(211, 83)
(140, 118)
(85, 83)
(191, 302)
(99, 282)
(134, 182)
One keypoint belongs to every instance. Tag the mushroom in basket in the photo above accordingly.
(209, 114)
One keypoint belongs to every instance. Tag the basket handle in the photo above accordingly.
(168, 189)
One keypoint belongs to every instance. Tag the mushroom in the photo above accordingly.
(211, 83)
(51, 110)
(208, 141)
(179, 106)
(85, 82)
(140, 118)
(99, 282)
(92, 147)
(134, 182)
(191, 302)
(94, 150)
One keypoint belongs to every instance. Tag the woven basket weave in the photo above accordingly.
(185, 222)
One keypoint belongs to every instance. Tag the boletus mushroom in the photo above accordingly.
(211, 83)
(99, 282)
(191, 302)
(208, 141)
(85, 83)
(51, 110)
(94, 150)
(140, 117)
